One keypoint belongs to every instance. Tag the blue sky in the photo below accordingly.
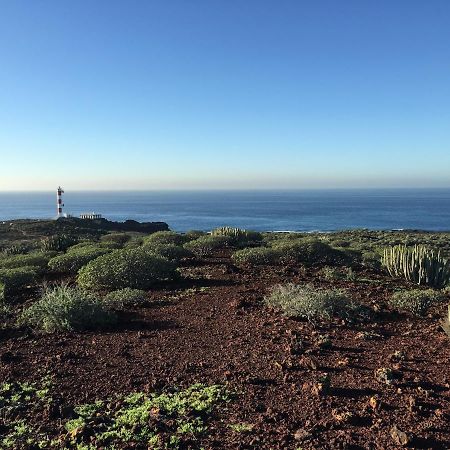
(224, 94)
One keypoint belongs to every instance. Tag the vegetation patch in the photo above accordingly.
(416, 301)
(205, 245)
(256, 256)
(123, 298)
(14, 280)
(174, 253)
(74, 260)
(166, 420)
(314, 304)
(133, 268)
(165, 238)
(63, 308)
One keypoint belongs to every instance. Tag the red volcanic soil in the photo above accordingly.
(212, 327)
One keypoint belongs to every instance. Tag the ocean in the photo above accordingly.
(299, 210)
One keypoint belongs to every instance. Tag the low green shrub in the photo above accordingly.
(123, 298)
(32, 259)
(311, 303)
(74, 260)
(205, 245)
(171, 252)
(416, 301)
(13, 280)
(134, 268)
(117, 238)
(194, 234)
(371, 260)
(64, 308)
(310, 252)
(255, 256)
(165, 238)
(5, 313)
(17, 249)
(59, 243)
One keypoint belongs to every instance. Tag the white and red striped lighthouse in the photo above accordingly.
(59, 203)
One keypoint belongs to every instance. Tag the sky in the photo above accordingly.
(208, 94)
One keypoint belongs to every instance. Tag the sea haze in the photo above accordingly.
(305, 210)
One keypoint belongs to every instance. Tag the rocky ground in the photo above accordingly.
(383, 384)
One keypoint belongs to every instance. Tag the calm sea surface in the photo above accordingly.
(308, 210)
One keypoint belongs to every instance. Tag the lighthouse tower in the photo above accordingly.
(59, 203)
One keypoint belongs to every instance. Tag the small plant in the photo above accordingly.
(331, 273)
(241, 427)
(14, 280)
(174, 253)
(59, 243)
(125, 297)
(63, 308)
(255, 256)
(133, 268)
(310, 303)
(416, 301)
(74, 260)
(32, 259)
(117, 238)
(309, 252)
(165, 238)
(418, 264)
(205, 245)
(5, 313)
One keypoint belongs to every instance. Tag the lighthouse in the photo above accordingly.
(59, 203)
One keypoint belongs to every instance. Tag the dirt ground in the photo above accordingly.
(212, 327)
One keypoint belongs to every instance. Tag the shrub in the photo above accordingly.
(16, 249)
(13, 280)
(74, 260)
(63, 308)
(309, 252)
(311, 303)
(165, 238)
(171, 252)
(238, 235)
(371, 259)
(205, 245)
(5, 312)
(125, 297)
(416, 301)
(418, 264)
(116, 238)
(33, 259)
(134, 268)
(255, 256)
(194, 234)
(59, 243)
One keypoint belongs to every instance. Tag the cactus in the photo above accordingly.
(418, 264)
(237, 233)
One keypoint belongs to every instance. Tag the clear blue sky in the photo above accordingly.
(224, 94)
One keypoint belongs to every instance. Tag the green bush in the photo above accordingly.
(194, 234)
(59, 243)
(371, 259)
(416, 301)
(134, 268)
(171, 252)
(255, 256)
(310, 252)
(63, 308)
(116, 238)
(311, 303)
(33, 259)
(125, 297)
(165, 238)
(74, 260)
(205, 245)
(5, 312)
(13, 280)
